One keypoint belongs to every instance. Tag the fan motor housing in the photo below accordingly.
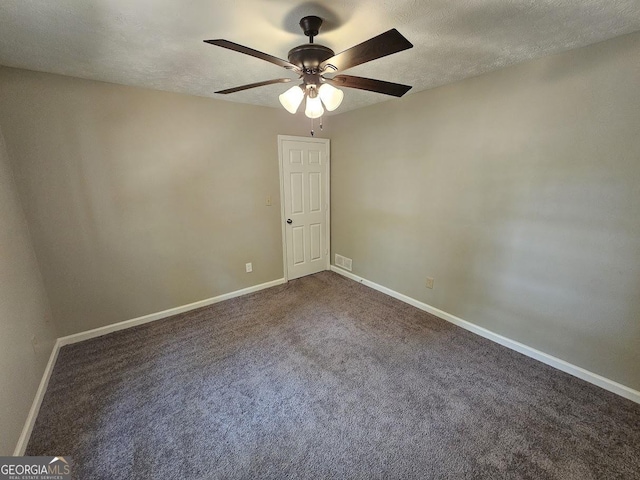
(309, 56)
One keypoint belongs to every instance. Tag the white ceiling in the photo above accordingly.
(158, 43)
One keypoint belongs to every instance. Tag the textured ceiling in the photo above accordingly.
(158, 43)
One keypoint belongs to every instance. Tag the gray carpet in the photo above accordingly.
(325, 378)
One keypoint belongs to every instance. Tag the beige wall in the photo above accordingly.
(139, 200)
(24, 313)
(518, 191)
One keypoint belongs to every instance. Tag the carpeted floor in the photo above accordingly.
(325, 378)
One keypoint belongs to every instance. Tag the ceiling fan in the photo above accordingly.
(312, 61)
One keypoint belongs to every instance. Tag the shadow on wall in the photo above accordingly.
(551, 250)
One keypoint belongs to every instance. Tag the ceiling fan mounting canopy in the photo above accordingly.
(311, 26)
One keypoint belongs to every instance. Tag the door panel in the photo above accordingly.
(295, 156)
(297, 193)
(315, 195)
(314, 157)
(315, 231)
(298, 245)
(305, 186)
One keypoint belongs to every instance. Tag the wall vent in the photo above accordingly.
(343, 262)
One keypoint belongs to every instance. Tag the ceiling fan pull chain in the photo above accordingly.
(312, 132)
(321, 118)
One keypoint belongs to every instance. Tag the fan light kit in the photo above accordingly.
(312, 61)
(326, 95)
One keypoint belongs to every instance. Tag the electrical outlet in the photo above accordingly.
(248, 267)
(429, 282)
(268, 200)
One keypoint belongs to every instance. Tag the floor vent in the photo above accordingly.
(343, 262)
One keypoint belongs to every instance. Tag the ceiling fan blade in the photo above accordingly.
(384, 44)
(254, 85)
(379, 86)
(250, 51)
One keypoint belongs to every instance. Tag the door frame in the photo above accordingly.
(327, 142)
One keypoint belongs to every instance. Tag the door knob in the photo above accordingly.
(289, 221)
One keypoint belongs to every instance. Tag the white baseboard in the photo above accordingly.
(567, 367)
(37, 401)
(98, 332)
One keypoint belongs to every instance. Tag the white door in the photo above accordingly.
(304, 184)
